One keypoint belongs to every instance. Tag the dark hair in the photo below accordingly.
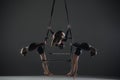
(93, 51)
(58, 36)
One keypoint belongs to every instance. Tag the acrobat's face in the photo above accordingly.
(57, 38)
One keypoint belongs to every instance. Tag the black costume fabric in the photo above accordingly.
(39, 47)
(79, 47)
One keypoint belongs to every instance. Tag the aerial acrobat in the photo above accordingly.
(58, 39)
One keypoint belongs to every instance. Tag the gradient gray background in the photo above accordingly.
(94, 21)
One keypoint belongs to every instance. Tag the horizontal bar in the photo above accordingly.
(58, 60)
(59, 53)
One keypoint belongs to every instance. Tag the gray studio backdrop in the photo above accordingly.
(94, 21)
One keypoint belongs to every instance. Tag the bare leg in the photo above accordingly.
(45, 65)
(74, 66)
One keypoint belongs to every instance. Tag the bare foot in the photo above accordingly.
(48, 74)
(70, 74)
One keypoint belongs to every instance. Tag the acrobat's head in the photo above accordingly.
(93, 51)
(57, 38)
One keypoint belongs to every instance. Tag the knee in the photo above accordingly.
(77, 52)
(40, 50)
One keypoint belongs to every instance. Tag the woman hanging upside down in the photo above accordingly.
(58, 40)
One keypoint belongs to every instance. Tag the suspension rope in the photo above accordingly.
(68, 32)
(66, 9)
(52, 10)
(51, 16)
(50, 21)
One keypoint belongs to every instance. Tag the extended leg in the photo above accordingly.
(44, 61)
(41, 52)
(74, 63)
(75, 58)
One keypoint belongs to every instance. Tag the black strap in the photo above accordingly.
(66, 11)
(49, 25)
(47, 34)
(68, 34)
(52, 10)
